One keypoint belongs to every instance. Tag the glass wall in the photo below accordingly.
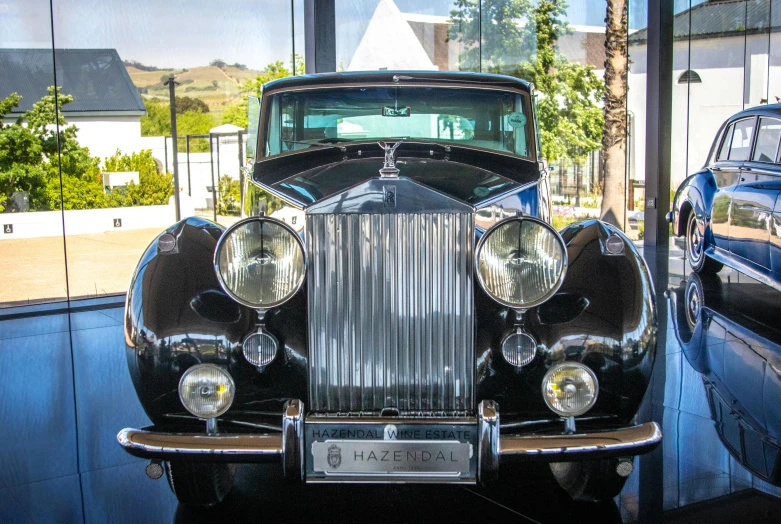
(87, 171)
(502, 37)
(98, 199)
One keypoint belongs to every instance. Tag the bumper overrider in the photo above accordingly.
(390, 449)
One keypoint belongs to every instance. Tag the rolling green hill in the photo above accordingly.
(217, 87)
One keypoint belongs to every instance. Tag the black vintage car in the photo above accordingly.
(395, 286)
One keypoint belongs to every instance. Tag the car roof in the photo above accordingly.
(449, 78)
(763, 110)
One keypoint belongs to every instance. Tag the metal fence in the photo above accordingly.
(200, 168)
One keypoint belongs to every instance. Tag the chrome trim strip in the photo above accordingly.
(625, 441)
(390, 480)
(492, 446)
(150, 444)
(348, 420)
(741, 264)
(293, 440)
(488, 441)
(501, 196)
(280, 195)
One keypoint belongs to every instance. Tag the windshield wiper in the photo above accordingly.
(325, 142)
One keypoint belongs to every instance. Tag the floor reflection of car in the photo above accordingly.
(729, 334)
(730, 210)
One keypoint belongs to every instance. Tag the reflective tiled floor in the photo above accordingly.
(65, 392)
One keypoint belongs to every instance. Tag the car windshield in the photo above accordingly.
(496, 120)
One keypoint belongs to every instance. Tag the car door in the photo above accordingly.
(754, 199)
(726, 172)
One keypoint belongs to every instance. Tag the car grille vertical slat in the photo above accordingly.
(391, 312)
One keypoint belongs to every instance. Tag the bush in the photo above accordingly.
(230, 196)
(559, 222)
(77, 193)
(153, 188)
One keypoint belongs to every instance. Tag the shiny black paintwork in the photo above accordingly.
(603, 315)
(738, 206)
(730, 337)
(177, 316)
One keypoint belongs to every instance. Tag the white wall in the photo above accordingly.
(103, 135)
(727, 87)
(200, 166)
(86, 221)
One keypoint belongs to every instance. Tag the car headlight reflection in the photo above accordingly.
(260, 262)
(521, 262)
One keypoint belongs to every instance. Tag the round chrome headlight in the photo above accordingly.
(206, 390)
(521, 262)
(570, 389)
(260, 262)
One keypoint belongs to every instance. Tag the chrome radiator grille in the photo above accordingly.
(391, 312)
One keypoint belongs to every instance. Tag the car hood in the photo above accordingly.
(468, 175)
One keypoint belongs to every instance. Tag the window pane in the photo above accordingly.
(32, 255)
(119, 166)
(724, 151)
(480, 118)
(767, 140)
(741, 139)
(406, 34)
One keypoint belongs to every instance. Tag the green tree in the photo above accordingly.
(502, 35)
(186, 103)
(153, 189)
(570, 119)
(157, 122)
(33, 156)
(21, 158)
(236, 113)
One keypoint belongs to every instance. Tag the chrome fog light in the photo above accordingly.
(570, 389)
(206, 390)
(260, 348)
(519, 348)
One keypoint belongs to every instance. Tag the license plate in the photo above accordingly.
(340, 457)
(404, 451)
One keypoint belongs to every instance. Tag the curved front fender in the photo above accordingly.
(603, 316)
(177, 315)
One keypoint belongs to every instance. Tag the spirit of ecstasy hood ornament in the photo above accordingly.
(389, 169)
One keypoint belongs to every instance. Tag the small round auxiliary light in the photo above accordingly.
(206, 390)
(166, 242)
(614, 244)
(519, 348)
(260, 348)
(570, 389)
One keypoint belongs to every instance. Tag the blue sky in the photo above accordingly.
(188, 33)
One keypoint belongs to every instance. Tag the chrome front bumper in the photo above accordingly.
(289, 444)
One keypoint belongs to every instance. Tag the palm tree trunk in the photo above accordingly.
(613, 156)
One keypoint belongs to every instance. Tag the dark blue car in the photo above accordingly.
(730, 211)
